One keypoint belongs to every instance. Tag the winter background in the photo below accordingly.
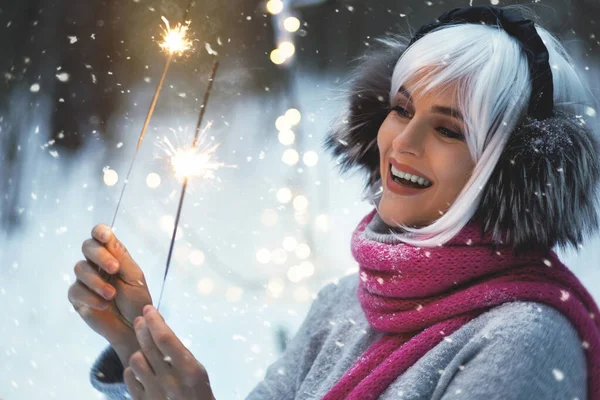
(256, 243)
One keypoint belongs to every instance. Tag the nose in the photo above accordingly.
(411, 137)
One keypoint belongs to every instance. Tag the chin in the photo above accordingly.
(392, 212)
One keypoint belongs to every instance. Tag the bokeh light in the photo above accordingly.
(290, 157)
(263, 256)
(286, 138)
(287, 48)
(293, 116)
(196, 257)
(110, 177)
(284, 195)
(153, 180)
(205, 286)
(310, 158)
(277, 56)
(302, 251)
(291, 24)
(289, 243)
(302, 294)
(300, 203)
(282, 123)
(274, 6)
(307, 268)
(279, 256)
(294, 274)
(275, 287)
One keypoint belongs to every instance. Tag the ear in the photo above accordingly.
(543, 191)
(353, 139)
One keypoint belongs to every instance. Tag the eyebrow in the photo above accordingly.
(449, 111)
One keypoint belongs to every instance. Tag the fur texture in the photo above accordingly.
(353, 139)
(544, 188)
(543, 191)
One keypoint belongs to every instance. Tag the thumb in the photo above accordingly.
(129, 271)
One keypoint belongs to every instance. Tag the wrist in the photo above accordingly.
(125, 350)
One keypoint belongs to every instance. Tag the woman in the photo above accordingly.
(478, 164)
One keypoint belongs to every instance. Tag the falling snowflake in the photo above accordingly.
(558, 374)
(210, 50)
(63, 77)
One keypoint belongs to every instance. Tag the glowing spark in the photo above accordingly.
(193, 161)
(175, 40)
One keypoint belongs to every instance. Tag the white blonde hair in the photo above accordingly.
(491, 75)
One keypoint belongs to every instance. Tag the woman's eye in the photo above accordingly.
(401, 111)
(452, 134)
(444, 131)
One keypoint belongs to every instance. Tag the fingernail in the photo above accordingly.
(109, 293)
(137, 320)
(104, 235)
(112, 266)
(148, 308)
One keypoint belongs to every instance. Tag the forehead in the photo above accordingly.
(439, 95)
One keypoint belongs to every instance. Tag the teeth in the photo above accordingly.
(413, 178)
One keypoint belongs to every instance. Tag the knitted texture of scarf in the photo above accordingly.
(418, 296)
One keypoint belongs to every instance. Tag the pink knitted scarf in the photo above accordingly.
(417, 296)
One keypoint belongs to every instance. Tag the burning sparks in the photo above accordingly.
(193, 161)
(175, 40)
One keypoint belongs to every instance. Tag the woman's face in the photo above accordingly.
(424, 139)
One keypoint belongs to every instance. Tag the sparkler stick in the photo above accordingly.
(175, 42)
(185, 178)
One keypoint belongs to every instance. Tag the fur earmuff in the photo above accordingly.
(543, 190)
(353, 139)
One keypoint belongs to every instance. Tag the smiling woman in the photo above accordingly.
(419, 141)
(478, 163)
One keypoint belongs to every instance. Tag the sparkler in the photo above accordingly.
(193, 161)
(175, 42)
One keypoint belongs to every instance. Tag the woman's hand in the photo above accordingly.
(95, 298)
(164, 368)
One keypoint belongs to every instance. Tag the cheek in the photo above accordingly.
(455, 173)
(385, 136)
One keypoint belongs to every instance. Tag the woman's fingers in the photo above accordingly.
(166, 341)
(144, 373)
(86, 274)
(127, 267)
(156, 359)
(80, 295)
(136, 389)
(99, 255)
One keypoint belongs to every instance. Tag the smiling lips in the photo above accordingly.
(407, 169)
